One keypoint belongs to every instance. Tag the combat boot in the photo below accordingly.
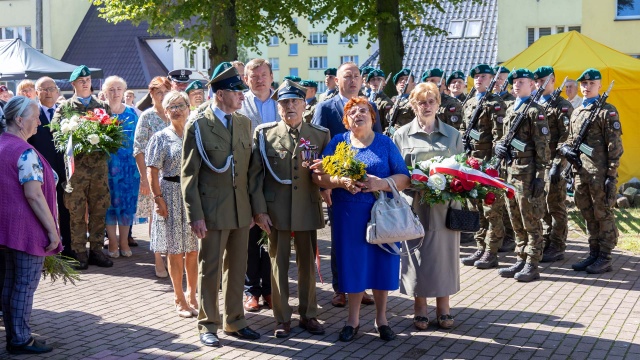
(487, 261)
(512, 270)
(83, 260)
(602, 265)
(96, 257)
(593, 256)
(508, 244)
(466, 237)
(551, 254)
(529, 273)
(470, 260)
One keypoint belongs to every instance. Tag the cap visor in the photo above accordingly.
(289, 96)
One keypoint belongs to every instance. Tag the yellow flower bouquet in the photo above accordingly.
(343, 163)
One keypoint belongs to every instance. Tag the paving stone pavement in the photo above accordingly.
(125, 312)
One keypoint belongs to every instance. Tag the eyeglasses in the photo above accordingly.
(430, 102)
(177, 107)
(355, 111)
(49, 89)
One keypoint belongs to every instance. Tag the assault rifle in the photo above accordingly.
(471, 132)
(554, 95)
(510, 140)
(394, 110)
(578, 145)
(469, 96)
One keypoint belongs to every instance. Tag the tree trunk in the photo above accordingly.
(389, 39)
(224, 35)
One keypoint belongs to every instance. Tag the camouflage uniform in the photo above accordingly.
(309, 109)
(508, 98)
(450, 111)
(405, 113)
(384, 104)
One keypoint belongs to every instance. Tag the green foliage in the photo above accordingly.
(60, 267)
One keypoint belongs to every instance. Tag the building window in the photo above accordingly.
(628, 9)
(318, 62)
(206, 62)
(351, 58)
(274, 41)
(533, 34)
(466, 29)
(20, 32)
(317, 38)
(472, 28)
(275, 63)
(293, 71)
(293, 49)
(190, 58)
(456, 29)
(321, 87)
(348, 39)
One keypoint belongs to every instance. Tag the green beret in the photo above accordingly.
(481, 69)
(331, 71)
(542, 72)
(195, 85)
(519, 74)
(220, 68)
(375, 73)
(80, 71)
(366, 70)
(228, 80)
(290, 90)
(455, 75)
(503, 70)
(435, 72)
(309, 83)
(403, 72)
(293, 78)
(590, 74)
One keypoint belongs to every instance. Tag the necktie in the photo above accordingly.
(294, 134)
(229, 123)
(50, 111)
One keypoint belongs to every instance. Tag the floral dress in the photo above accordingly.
(30, 168)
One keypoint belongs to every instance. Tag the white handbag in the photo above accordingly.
(393, 220)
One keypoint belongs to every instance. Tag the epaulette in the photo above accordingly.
(266, 125)
(321, 128)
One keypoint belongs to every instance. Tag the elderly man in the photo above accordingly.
(215, 161)
(90, 181)
(571, 88)
(331, 84)
(284, 200)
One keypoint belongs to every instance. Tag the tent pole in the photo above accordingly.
(39, 35)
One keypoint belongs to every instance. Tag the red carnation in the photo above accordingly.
(490, 198)
(456, 185)
(510, 195)
(474, 163)
(492, 172)
(468, 185)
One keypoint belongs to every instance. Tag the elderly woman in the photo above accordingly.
(150, 122)
(27, 88)
(170, 232)
(28, 229)
(433, 271)
(124, 179)
(362, 265)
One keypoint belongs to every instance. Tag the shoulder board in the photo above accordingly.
(266, 125)
(321, 128)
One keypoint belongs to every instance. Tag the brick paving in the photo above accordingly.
(125, 312)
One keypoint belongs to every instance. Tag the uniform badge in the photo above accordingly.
(497, 108)
(544, 130)
(616, 125)
(454, 119)
(566, 121)
(452, 109)
(587, 77)
(540, 117)
(500, 119)
(309, 152)
(612, 113)
(182, 72)
(565, 109)
(282, 154)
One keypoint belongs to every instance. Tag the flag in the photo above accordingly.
(70, 164)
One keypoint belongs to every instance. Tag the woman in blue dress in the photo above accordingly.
(361, 265)
(124, 179)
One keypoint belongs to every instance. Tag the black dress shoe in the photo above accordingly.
(209, 339)
(348, 333)
(36, 347)
(244, 333)
(96, 257)
(385, 332)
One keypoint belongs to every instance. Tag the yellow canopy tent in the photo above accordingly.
(570, 54)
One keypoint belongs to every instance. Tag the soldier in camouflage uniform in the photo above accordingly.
(506, 96)
(330, 82)
(555, 213)
(489, 127)
(596, 181)
(404, 111)
(450, 111)
(375, 80)
(312, 89)
(456, 85)
(526, 173)
(89, 182)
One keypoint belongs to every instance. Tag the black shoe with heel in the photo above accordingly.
(385, 332)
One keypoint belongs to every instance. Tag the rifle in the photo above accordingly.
(471, 133)
(554, 95)
(510, 140)
(578, 145)
(394, 110)
(440, 82)
(374, 94)
(469, 96)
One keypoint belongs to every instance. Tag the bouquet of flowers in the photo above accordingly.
(343, 163)
(457, 178)
(87, 133)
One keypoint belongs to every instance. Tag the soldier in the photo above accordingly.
(526, 173)
(310, 99)
(195, 90)
(595, 182)
(450, 111)
(214, 182)
(330, 82)
(555, 211)
(284, 200)
(456, 85)
(89, 182)
(376, 83)
(506, 96)
(405, 112)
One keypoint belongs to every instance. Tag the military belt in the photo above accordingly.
(175, 179)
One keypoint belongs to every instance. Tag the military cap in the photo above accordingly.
(289, 90)
(435, 72)
(179, 76)
(542, 72)
(375, 73)
(455, 75)
(519, 74)
(296, 79)
(309, 83)
(80, 71)
(365, 70)
(220, 68)
(331, 71)
(503, 70)
(195, 85)
(403, 72)
(590, 74)
(481, 69)
(229, 79)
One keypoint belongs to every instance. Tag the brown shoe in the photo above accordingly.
(367, 299)
(267, 301)
(339, 299)
(312, 325)
(251, 303)
(283, 330)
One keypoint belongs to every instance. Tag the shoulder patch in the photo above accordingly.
(497, 107)
(544, 130)
(452, 109)
(616, 125)
(564, 109)
(321, 128)
(612, 113)
(266, 125)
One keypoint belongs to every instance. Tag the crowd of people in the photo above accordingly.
(228, 190)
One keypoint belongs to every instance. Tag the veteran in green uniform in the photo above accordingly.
(195, 90)
(310, 99)
(375, 80)
(90, 181)
(284, 200)
(450, 111)
(526, 173)
(214, 181)
(404, 111)
(596, 181)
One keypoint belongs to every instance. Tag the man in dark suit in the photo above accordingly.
(48, 93)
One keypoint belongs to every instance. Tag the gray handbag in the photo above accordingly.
(393, 220)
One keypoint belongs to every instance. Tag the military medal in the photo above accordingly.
(309, 152)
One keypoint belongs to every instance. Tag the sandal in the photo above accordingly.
(445, 321)
(421, 322)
